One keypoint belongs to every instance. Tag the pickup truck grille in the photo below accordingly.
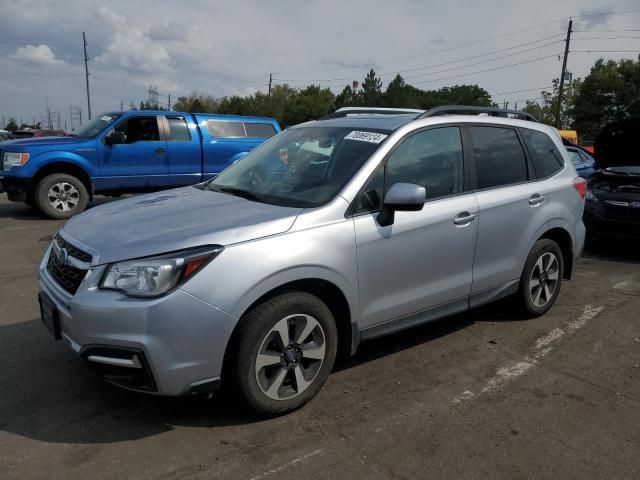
(68, 276)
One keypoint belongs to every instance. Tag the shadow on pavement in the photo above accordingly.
(22, 211)
(613, 250)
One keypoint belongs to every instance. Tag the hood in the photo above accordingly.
(172, 220)
(44, 142)
(617, 145)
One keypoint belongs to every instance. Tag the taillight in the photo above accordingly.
(581, 186)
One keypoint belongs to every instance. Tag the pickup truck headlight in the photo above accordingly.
(11, 159)
(156, 276)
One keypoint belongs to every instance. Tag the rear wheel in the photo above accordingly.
(61, 196)
(283, 352)
(541, 278)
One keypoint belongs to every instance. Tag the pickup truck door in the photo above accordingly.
(139, 164)
(184, 148)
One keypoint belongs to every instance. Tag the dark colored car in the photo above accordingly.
(612, 206)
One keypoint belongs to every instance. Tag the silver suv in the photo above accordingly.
(334, 232)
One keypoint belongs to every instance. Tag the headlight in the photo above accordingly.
(155, 276)
(14, 159)
(590, 197)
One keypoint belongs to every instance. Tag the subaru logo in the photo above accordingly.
(63, 256)
(634, 204)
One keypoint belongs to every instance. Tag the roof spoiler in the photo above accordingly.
(472, 110)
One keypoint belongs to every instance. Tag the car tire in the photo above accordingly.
(274, 378)
(61, 196)
(541, 278)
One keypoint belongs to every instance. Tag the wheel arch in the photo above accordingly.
(330, 294)
(67, 168)
(563, 238)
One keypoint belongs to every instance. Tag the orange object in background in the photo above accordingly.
(570, 135)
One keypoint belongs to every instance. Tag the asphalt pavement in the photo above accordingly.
(480, 395)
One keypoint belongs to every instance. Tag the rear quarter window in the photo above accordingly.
(545, 156)
(499, 157)
(259, 130)
(226, 128)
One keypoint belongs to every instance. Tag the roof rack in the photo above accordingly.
(355, 111)
(470, 110)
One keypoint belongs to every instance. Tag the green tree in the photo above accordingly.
(12, 126)
(401, 95)
(311, 103)
(372, 90)
(348, 98)
(610, 92)
(544, 108)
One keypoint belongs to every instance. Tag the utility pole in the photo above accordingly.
(86, 73)
(121, 105)
(564, 69)
(270, 81)
(169, 103)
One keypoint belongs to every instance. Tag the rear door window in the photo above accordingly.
(140, 129)
(178, 129)
(226, 129)
(259, 130)
(545, 156)
(499, 157)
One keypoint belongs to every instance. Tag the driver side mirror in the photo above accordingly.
(115, 138)
(401, 197)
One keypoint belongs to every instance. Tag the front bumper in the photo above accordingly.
(173, 345)
(17, 189)
(597, 224)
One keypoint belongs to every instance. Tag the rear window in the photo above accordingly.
(545, 156)
(499, 157)
(178, 129)
(259, 130)
(226, 128)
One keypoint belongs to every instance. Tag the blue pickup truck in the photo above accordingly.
(125, 152)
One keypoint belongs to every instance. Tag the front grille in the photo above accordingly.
(73, 251)
(68, 276)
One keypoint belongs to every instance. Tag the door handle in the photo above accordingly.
(536, 199)
(160, 151)
(464, 218)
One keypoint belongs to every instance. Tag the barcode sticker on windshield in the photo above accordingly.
(370, 137)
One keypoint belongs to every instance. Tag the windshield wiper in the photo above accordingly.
(238, 192)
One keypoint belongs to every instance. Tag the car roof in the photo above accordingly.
(370, 121)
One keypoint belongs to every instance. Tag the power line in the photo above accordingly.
(605, 38)
(606, 31)
(521, 91)
(605, 51)
(452, 61)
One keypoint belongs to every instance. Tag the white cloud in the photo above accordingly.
(130, 47)
(41, 54)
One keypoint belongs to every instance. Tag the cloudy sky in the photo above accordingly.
(230, 47)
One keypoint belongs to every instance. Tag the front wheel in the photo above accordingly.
(61, 196)
(283, 352)
(541, 278)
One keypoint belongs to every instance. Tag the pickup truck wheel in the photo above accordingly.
(61, 196)
(283, 352)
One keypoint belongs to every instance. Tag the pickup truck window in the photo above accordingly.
(178, 129)
(95, 126)
(140, 129)
(259, 130)
(226, 129)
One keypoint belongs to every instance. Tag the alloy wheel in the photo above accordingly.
(544, 279)
(290, 356)
(63, 196)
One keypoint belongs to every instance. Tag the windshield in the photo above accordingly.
(301, 167)
(95, 126)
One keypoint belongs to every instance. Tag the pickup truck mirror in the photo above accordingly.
(115, 138)
(401, 197)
